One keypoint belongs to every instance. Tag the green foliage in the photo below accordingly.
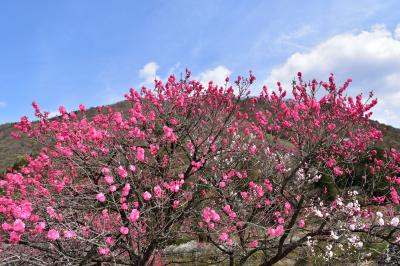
(328, 186)
(19, 162)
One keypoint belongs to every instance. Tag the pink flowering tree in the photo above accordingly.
(270, 199)
(201, 160)
(119, 186)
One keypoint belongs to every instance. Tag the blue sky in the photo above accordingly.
(92, 52)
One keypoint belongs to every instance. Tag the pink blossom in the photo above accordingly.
(253, 244)
(287, 208)
(100, 197)
(157, 191)
(286, 124)
(301, 223)
(259, 191)
(122, 172)
(105, 214)
(109, 179)
(154, 149)
(19, 226)
(331, 126)
(53, 234)
(210, 215)
(140, 154)
(253, 149)
(394, 195)
(126, 189)
(40, 227)
(134, 216)
(14, 237)
(337, 171)
(69, 234)
(279, 230)
(167, 131)
(271, 232)
(227, 208)
(331, 162)
(6, 226)
(124, 230)
(34, 218)
(23, 211)
(104, 251)
(146, 195)
(50, 211)
(113, 188)
(223, 237)
(109, 241)
(105, 171)
(169, 134)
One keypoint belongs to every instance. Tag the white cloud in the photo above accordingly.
(371, 58)
(149, 73)
(2, 104)
(397, 32)
(54, 114)
(216, 75)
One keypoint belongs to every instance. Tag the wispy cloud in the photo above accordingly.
(2, 104)
(293, 38)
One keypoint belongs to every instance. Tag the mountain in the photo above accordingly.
(12, 149)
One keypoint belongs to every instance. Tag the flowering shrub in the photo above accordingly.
(200, 160)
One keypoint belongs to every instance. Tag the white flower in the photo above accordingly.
(334, 235)
(319, 213)
(352, 227)
(395, 221)
(339, 202)
(379, 214)
(359, 244)
(381, 222)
